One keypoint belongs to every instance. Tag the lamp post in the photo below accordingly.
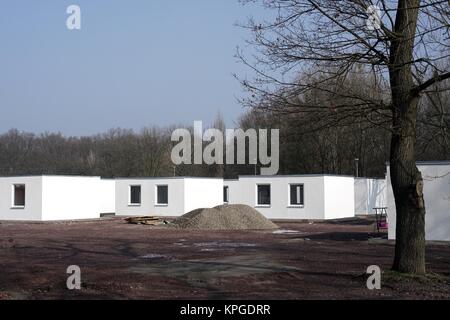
(357, 166)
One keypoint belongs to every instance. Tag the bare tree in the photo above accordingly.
(434, 123)
(325, 41)
(154, 145)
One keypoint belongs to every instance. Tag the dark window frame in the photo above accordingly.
(300, 202)
(133, 201)
(263, 200)
(226, 194)
(15, 196)
(157, 195)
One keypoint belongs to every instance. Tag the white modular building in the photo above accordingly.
(436, 188)
(294, 196)
(166, 197)
(369, 194)
(49, 198)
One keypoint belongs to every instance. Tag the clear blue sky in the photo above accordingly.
(135, 63)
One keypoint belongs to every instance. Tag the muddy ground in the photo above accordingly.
(123, 261)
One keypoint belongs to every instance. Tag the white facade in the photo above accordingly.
(49, 198)
(33, 199)
(107, 200)
(436, 177)
(324, 196)
(369, 193)
(183, 195)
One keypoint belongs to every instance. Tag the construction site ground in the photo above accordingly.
(302, 260)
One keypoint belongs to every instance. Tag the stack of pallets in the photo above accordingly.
(152, 221)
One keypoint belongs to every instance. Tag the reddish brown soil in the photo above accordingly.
(122, 261)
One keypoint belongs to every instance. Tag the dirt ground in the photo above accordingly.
(123, 261)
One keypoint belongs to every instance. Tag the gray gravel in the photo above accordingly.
(224, 217)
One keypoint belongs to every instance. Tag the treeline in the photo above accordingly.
(125, 153)
(316, 139)
(116, 153)
(312, 140)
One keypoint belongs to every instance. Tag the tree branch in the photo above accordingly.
(418, 89)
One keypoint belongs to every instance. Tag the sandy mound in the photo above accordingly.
(224, 217)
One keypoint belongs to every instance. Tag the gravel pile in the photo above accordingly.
(224, 217)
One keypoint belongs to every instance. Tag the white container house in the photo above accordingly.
(294, 196)
(369, 194)
(169, 197)
(436, 178)
(48, 198)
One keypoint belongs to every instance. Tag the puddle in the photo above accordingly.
(151, 256)
(209, 270)
(285, 231)
(181, 243)
(224, 244)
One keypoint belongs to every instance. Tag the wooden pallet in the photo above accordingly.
(152, 221)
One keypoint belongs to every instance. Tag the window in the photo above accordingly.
(162, 195)
(19, 196)
(225, 194)
(296, 195)
(263, 195)
(135, 195)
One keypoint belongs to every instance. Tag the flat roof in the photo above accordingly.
(164, 178)
(212, 178)
(296, 175)
(52, 176)
(430, 163)
(115, 178)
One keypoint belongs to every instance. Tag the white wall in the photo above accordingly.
(71, 198)
(148, 206)
(59, 197)
(436, 178)
(184, 194)
(33, 199)
(369, 193)
(325, 197)
(390, 203)
(202, 193)
(107, 196)
(339, 197)
(243, 191)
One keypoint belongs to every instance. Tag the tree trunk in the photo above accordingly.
(410, 207)
(406, 179)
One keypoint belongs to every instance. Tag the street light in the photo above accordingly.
(357, 167)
